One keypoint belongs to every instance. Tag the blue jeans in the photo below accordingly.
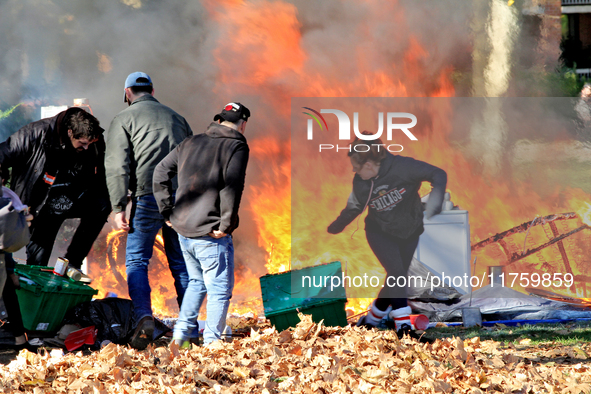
(210, 263)
(145, 223)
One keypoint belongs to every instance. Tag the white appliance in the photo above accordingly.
(444, 248)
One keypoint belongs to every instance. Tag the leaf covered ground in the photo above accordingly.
(311, 358)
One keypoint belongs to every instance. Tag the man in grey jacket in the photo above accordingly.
(138, 139)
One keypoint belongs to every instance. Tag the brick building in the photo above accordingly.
(577, 35)
(542, 19)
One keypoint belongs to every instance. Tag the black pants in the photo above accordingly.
(13, 309)
(395, 255)
(93, 213)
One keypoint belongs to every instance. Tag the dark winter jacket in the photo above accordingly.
(393, 197)
(35, 153)
(211, 169)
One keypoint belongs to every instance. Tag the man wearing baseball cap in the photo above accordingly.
(139, 137)
(211, 168)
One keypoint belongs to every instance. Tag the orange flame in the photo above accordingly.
(274, 67)
(261, 55)
(107, 268)
(585, 213)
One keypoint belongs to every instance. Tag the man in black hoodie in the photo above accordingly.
(211, 169)
(389, 185)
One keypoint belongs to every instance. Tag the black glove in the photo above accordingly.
(335, 228)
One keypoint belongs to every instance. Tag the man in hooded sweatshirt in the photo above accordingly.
(211, 169)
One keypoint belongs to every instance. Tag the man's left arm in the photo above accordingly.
(231, 194)
(422, 171)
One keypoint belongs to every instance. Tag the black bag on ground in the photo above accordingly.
(112, 317)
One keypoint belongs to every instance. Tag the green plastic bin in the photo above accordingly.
(45, 298)
(284, 294)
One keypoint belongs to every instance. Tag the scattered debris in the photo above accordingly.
(309, 358)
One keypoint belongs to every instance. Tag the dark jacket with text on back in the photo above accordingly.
(211, 169)
(393, 197)
(35, 153)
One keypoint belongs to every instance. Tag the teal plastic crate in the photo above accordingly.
(283, 295)
(45, 298)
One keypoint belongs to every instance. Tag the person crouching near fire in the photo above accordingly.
(58, 171)
(388, 185)
(211, 169)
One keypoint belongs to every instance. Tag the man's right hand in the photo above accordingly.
(334, 228)
(121, 221)
(217, 234)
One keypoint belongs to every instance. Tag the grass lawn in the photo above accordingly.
(571, 334)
